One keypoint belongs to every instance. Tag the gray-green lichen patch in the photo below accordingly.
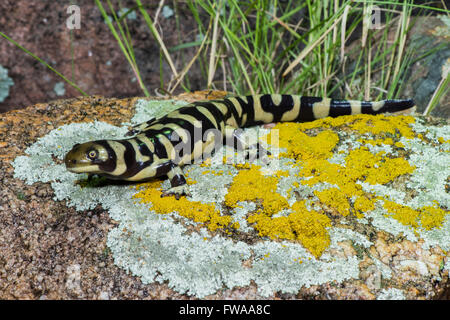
(443, 31)
(167, 12)
(381, 221)
(5, 83)
(146, 110)
(391, 294)
(39, 165)
(156, 247)
(287, 267)
(59, 88)
(130, 14)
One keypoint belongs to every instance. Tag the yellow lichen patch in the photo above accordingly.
(363, 204)
(190, 181)
(193, 210)
(361, 165)
(242, 165)
(322, 170)
(362, 123)
(432, 217)
(311, 156)
(388, 170)
(377, 142)
(382, 124)
(376, 169)
(274, 228)
(303, 147)
(282, 173)
(206, 163)
(213, 172)
(307, 227)
(403, 214)
(426, 217)
(310, 228)
(334, 198)
(251, 185)
(442, 140)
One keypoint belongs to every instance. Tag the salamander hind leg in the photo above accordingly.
(178, 183)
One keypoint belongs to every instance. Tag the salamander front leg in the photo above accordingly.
(178, 183)
(166, 167)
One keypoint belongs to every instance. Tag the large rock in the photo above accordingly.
(66, 239)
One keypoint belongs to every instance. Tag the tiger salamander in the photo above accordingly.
(162, 146)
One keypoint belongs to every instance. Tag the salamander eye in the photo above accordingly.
(92, 154)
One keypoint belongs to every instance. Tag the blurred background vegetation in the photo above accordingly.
(335, 48)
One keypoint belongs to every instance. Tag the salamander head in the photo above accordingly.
(89, 157)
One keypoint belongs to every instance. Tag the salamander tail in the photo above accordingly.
(392, 106)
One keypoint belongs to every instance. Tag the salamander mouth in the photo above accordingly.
(74, 164)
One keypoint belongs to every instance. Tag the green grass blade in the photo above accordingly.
(43, 62)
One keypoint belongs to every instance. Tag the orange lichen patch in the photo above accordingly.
(196, 211)
(426, 217)
(252, 185)
(307, 227)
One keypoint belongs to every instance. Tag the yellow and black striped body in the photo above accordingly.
(161, 146)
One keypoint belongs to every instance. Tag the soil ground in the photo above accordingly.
(99, 65)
